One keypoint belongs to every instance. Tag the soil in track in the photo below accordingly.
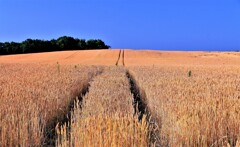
(120, 60)
(140, 108)
(119, 56)
(139, 105)
(50, 130)
(123, 54)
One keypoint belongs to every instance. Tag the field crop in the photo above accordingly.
(107, 116)
(131, 98)
(192, 105)
(34, 97)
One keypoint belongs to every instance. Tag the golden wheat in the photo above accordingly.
(33, 97)
(193, 105)
(107, 117)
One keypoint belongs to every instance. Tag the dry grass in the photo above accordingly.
(107, 116)
(201, 110)
(33, 97)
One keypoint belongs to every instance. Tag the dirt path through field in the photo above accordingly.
(123, 62)
(109, 100)
(50, 129)
(115, 95)
(119, 56)
(141, 109)
(120, 61)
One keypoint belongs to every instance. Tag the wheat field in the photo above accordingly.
(193, 106)
(33, 97)
(120, 98)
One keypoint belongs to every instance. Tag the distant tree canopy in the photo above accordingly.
(61, 44)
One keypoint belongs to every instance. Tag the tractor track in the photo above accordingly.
(123, 61)
(141, 109)
(139, 104)
(72, 55)
(119, 56)
(50, 129)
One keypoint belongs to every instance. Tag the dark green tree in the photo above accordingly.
(66, 42)
(96, 44)
(82, 44)
(62, 43)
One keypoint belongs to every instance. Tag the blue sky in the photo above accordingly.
(137, 24)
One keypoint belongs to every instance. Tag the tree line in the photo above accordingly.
(60, 44)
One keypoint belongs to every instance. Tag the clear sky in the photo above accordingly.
(137, 24)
